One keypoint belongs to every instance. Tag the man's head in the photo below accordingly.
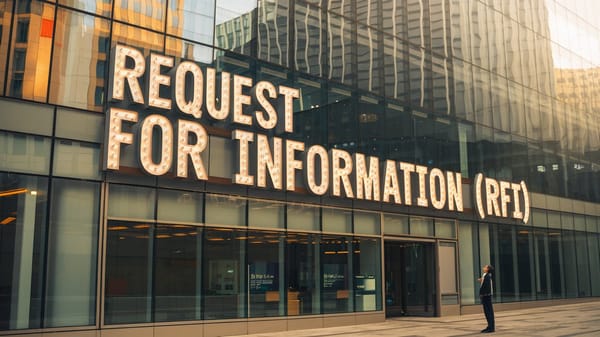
(488, 268)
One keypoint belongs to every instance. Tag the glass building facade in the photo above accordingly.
(507, 88)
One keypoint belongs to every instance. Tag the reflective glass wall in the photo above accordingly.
(508, 88)
(182, 260)
(549, 260)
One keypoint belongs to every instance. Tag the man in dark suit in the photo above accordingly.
(485, 294)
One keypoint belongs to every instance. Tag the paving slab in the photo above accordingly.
(581, 320)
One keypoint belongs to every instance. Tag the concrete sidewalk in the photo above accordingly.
(581, 319)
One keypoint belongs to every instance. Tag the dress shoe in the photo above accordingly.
(488, 331)
(485, 330)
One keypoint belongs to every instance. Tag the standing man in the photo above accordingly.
(485, 294)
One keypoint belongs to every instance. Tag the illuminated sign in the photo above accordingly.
(169, 137)
(499, 196)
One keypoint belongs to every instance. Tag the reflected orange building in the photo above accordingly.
(30, 60)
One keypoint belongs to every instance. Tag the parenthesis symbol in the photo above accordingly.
(478, 181)
(526, 199)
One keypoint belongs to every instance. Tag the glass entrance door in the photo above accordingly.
(409, 279)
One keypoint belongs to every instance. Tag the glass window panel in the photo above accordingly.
(223, 210)
(309, 46)
(235, 26)
(136, 37)
(583, 265)
(579, 222)
(396, 65)
(191, 19)
(73, 124)
(570, 263)
(482, 96)
(128, 285)
(539, 218)
(30, 54)
(23, 153)
(339, 49)
(76, 159)
(419, 73)
(367, 274)
(504, 255)
(100, 7)
(72, 245)
(337, 220)
(500, 103)
(177, 275)
(567, 220)
(146, 13)
(221, 157)
(5, 20)
(590, 224)
(447, 263)
(525, 264)
(336, 274)
(445, 229)
(266, 272)
(303, 276)
(266, 214)
(77, 57)
(181, 206)
(303, 217)
(369, 64)
(463, 90)
(18, 116)
(554, 220)
(225, 273)
(542, 265)
(131, 202)
(517, 115)
(421, 226)
(556, 264)
(485, 246)
(594, 254)
(367, 223)
(395, 224)
(189, 50)
(468, 262)
(23, 202)
(273, 31)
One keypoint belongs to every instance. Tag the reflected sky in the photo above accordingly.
(574, 32)
(230, 9)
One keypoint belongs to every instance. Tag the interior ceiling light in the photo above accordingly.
(16, 191)
(8, 220)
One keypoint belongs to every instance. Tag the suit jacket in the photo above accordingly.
(486, 287)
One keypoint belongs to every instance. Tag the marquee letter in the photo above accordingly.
(194, 106)
(269, 161)
(166, 153)
(156, 79)
(390, 184)
(211, 100)
(367, 183)
(243, 177)
(292, 164)
(341, 172)
(123, 74)
(492, 192)
(116, 136)
(288, 107)
(194, 151)
(455, 197)
(311, 181)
